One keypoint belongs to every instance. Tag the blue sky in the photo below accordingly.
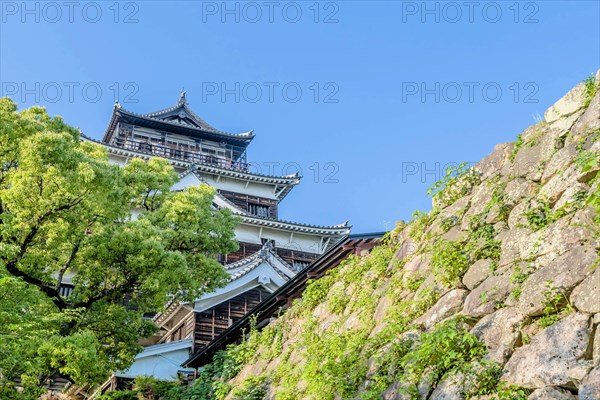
(368, 99)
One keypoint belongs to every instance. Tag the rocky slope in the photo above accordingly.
(493, 294)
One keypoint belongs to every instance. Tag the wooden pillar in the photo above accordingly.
(213, 322)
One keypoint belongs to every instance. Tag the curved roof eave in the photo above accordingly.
(243, 138)
(329, 230)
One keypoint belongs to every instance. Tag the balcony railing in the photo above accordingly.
(175, 153)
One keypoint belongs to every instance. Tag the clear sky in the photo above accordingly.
(369, 99)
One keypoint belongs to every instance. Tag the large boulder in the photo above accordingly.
(514, 245)
(455, 234)
(571, 195)
(586, 296)
(567, 105)
(457, 209)
(492, 164)
(563, 272)
(557, 184)
(548, 393)
(539, 143)
(482, 195)
(559, 237)
(448, 305)
(406, 250)
(487, 296)
(516, 217)
(500, 332)
(528, 163)
(555, 357)
(559, 161)
(416, 267)
(450, 388)
(590, 120)
(590, 385)
(477, 273)
(564, 124)
(517, 189)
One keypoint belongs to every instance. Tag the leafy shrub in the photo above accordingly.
(317, 290)
(449, 262)
(146, 387)
(481, 243)
(120, 395)
(457, 182)
(511, 392)
(542, 215)
(591, 88)
(253, 388)
(518, 145)
(481, 378)
(446, 348)
(498, 199)
(449, 223)
(554, 302)
(419, 223)
(587, 160)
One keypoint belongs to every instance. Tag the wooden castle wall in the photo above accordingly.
(212, 322)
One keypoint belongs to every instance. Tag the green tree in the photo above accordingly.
(66, 213)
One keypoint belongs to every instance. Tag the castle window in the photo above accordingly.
(258, 210)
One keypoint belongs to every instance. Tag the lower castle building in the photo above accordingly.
(271, 250)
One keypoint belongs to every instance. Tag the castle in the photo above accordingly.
(271, 250)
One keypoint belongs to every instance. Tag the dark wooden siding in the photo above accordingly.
(252, 204)
(212, 322)
(297, 259)
(245, 250)
(184, 330)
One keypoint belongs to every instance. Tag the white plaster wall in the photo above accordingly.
(285, 239)
(119, 160)
(239, 186)
(161, 365)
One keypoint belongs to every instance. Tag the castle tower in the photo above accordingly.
(272, 250)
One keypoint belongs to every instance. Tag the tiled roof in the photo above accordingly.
(181, 108)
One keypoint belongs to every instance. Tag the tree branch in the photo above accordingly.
(11, 266)
(64, 269)
(119, 289)
(50, 291)
(144, 203)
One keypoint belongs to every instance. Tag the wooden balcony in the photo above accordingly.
(177, 153)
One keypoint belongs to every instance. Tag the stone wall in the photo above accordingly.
(511, 247)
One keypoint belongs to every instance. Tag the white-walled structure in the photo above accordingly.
(271, 251)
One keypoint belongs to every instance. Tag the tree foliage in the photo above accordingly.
(125, 240)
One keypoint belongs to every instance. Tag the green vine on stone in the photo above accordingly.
(457, 182)
(591, 88)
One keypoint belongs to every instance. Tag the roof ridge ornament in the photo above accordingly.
(182, 99)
